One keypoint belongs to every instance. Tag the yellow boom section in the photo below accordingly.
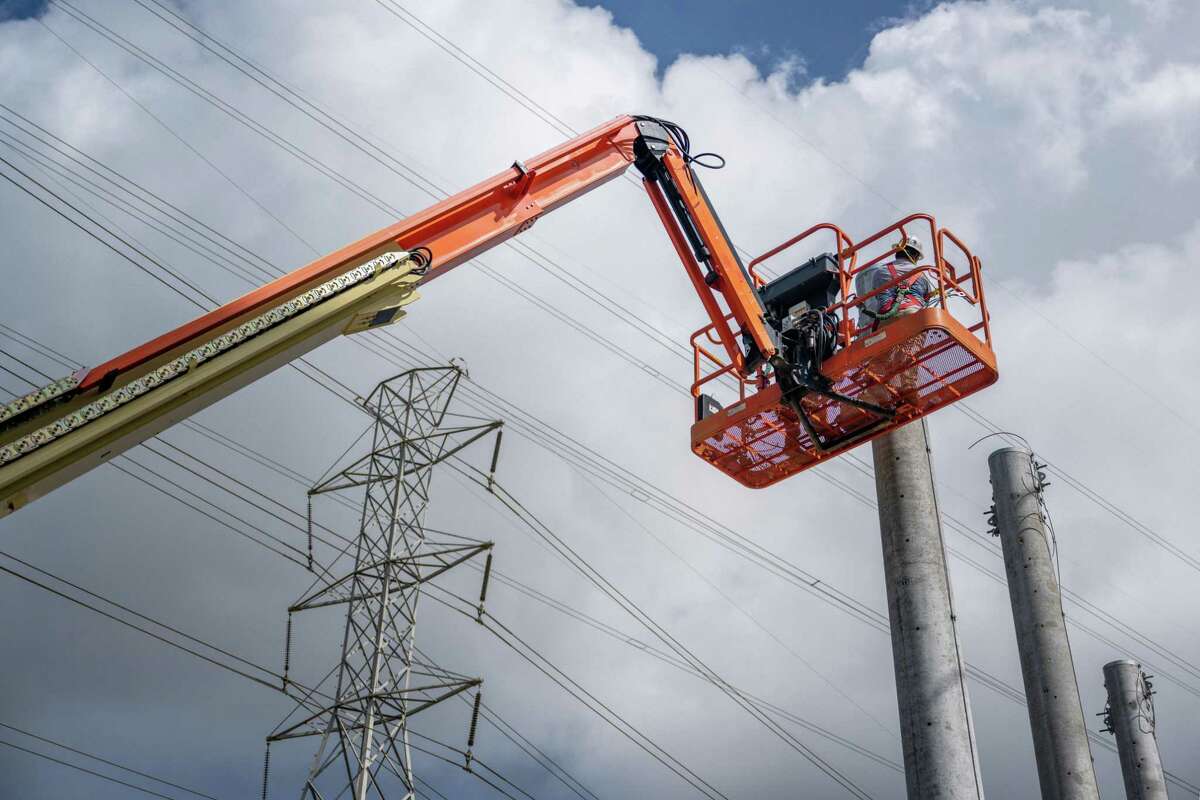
(50, 448)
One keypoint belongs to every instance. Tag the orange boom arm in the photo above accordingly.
(60, 431)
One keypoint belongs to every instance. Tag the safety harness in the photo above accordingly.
(900, 298)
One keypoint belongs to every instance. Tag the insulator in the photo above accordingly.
(310, 536)
(287, 651)
(266, 770)
(487, 576)
(474, 721)
(495, 458)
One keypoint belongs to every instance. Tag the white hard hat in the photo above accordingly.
(911, 245)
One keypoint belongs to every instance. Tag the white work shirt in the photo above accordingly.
(881, 274)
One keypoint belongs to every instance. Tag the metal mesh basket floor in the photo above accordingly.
(760, 440)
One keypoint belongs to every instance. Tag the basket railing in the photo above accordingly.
(718, 362)
(953, 268)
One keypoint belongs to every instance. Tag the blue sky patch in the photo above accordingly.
(22, 9)
(830, 38)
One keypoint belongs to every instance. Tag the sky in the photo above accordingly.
(1058, 138)
(814, 40)
(11, 10)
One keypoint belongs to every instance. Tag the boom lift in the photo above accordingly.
(806, 386)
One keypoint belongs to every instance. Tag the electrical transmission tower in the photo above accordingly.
(364, 749)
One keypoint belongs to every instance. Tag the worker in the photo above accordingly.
(906, 297)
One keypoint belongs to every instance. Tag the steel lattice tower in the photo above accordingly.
(363, 725)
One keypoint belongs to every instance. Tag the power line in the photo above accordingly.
(196, 653)
(645, 620)
(276, 683)
(241, 189)
(298, 558)
(529, 748)
(1096, 498)
(106, 761)
(136, 193)
(18, 376)
(124, 255)
(137, 614)
(52, 168)
(542, 664)
(37, 347)
(624, 638)
(91, 772)
(477, 776)
(479, 68)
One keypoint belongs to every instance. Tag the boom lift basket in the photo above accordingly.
(879, 378)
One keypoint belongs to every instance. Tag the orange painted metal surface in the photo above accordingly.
(455, 230)
(914, 364)
(732, 282)
(730, 288)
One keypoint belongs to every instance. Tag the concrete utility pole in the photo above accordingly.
(1060, 742)
(1130, 715)
(940, 760)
